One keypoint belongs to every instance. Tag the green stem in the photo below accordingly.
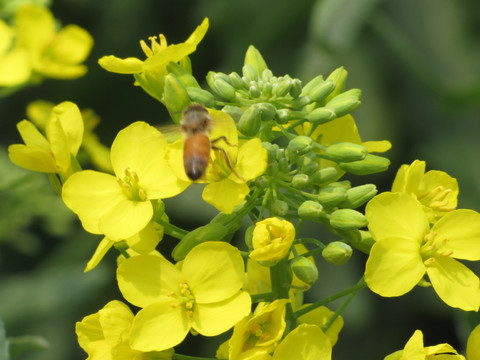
(267, 297)
(340, 309)
(354, 289)
(171, 229)
(280, 287)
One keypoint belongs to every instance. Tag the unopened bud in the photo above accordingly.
(267, 75)
(236, 81)
(304, 269)
(296, 88)
(185, 77)
(337, 253)
(224, 88)
(249, 72)
(272, 150)
(249, 236)
(176, 97)
(339, 78)
(345, 103)
(321, 115)
(262, 182)
(330, 196)
(365, 243)
(209, 232)
(371, 164)
(300, 145)
(316, 81)
(283, 115)
(282, 88)
(279, 208)
(320, 92)
(325, 175)
(347, 219)
(358, 196)
(234, 111)
(201, 96)
(300, 181)
(249, 122)
(267, 111)
(346, 152)
(308, 164)
(310, 209)
(255, 60)
(300, 102)
(254, 91)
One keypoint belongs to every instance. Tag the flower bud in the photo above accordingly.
(249, 72)
(282, 88)
(254, 91)
(296, 88)
(255, 60)
(347, 219)
(300, 181)
(310, 209)
(365, 243)
(283, 115)
(249, 122)
(224, 88)
(320, 92)
(300, 102)
(267, 75)
(234, 111)
(339, 77)
(201, 96)
(346, 152)
(345, 103)
(371, 164)
(176, 97)
(331, 195)
(272, 150)
(249, 237)
(316, 81)
(300, 145)
(279, 208)
(358, 196)
(236, 81)
(321, 115)
(308, 164)
(209, 232)
(337, 253)
(325, 175)
(267, 111)
(304, 269)
(262, 182)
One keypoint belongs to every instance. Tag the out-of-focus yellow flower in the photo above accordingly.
(53, 153)
(415, 350)
(149, 74)
(201, 294)
(224, 188)
(15, 67)
(473, 344)
(436, 190)
(272, 239)
(105, 335)
(319, 317)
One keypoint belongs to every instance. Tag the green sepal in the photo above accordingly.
(320, 92)
(201, 96)
(337, 252)
(364, 243)
(249, 73)
(209, 232)
(339, 78)
(331, 195)
(223, 87)
(279, 208)
(358, 196)
(300, 145)
(300, 181)
(310, 209)
(346, 152)
(176, 97)
(325, 175)
(250, 121)
(304, 269)
(182, 75)
(345, 103)
(321, 115)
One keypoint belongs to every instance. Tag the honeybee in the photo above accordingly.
(196, 125)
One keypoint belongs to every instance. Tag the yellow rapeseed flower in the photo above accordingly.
(436, 190)
(272, 240)
(406, 248)
(200, 295)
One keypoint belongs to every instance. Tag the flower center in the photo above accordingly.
(437, 199)
(155, 46)
(433, 246)
(184, 298)
(258, 334)
(130, 187)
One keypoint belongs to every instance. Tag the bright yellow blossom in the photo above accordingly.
(305, 342)
(15, 67)
(53, 153)
(105, 335)
(406, 248)
(120, 206)
(415, 350)
(51, 54)
(320, 316)
(473, 344)
(436, 190)
(272, 240)
(203, 295)
(149, 74)
(224, 189)
(259, 333)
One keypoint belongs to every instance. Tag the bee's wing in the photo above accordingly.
(171, 132)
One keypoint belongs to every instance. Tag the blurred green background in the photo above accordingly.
(417, 62)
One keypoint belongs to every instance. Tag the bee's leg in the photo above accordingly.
(227, 159)
(224, 138)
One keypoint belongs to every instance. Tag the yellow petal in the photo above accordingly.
(454, 283)
(35, 27)
(307, 342)
(100, 252)
(31, 136)
(116, 320)
(129, 65)
(217, 280)
(225, 194)
(252, 160)
(215, 318)
(409, 177)
(394, 266)
(461, 231)
(377, 146)
(32, 158)
(414, 347)
(199, 33)
(319, 317)
(65, 121)
(145, 241)
(396, 215)
(15, 68)
(473, 344)
(147, 279)
(158, 327)
(72, 45)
